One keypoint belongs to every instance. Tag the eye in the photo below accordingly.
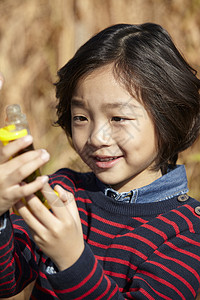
(79, 119)
(118, 119)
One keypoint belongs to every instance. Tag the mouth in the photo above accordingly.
(105, 158)
(106, 162)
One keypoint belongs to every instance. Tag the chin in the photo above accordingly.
(107, 180)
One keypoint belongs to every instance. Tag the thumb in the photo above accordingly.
(65, 196)
(70, 203)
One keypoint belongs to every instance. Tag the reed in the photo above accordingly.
(38, 37)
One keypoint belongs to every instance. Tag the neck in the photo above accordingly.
(137, 181)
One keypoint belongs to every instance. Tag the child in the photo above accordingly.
(130, 103)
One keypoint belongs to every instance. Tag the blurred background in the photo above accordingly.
(38, 37)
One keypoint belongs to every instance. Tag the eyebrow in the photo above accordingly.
(118, 105)
(77, 102)
(80, 103)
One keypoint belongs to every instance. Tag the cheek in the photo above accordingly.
(79, 140)
(75, 139)
(140, 139)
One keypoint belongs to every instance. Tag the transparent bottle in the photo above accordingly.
(17, 125)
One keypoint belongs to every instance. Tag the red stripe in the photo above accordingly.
(79, 189)
(68, 178)
(100, 232)
(43, 259)
(18, 227)
(5, 245)
(140, 238)
(7, 282)
(5, 262)
(117, 260)
(155, 291)
(115, 274)
(129, 296)
(190, 241)
(146, 294)
(140, 220)
(179, 262)
(45, 290)
(192, 210)
(106, 221)
(98, 245)
(118, 246)
(163, 281)
(190, 225)
(61, 180)
(8, 274)
(177, 276)
(108, 235)
(27, 242)
(87, 278)
(197, 257)
(84, 200)
(113, 293)
(91, 290)
(133, 235)
(107, 289)
(7, 252)
(156, 230)
(65, 186)
(130, 249)
(27, 246)
(17, 261)
(173, 224)
(42, 274)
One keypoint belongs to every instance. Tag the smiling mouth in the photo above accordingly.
(106, 162)
(106, 158)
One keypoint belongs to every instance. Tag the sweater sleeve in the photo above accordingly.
(84, 280)
(18, 263)
(171, 272)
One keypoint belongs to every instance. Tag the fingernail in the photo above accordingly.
(45, 155)
(43, 178)
(64, 197)
(1, 83)
(28, 138)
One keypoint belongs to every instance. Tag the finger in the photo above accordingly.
(52, 197)
(40, 211)
(29, 217)
(58, 207)
(24, 165)
(65, 199)
(70, 203)
(25, 190)
(14, 147)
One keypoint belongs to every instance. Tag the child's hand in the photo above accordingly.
(58, 234)
(13, 171)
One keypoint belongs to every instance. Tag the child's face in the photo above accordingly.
(112, 132)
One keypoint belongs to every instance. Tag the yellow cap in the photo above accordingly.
(8, 134)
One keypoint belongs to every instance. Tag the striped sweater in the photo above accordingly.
(132, 251)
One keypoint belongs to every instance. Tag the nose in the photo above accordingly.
(100, 135)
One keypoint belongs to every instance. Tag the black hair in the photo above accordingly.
(147, 63)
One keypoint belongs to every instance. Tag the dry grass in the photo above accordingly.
(38, 37)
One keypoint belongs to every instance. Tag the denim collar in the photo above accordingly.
(173, 183)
